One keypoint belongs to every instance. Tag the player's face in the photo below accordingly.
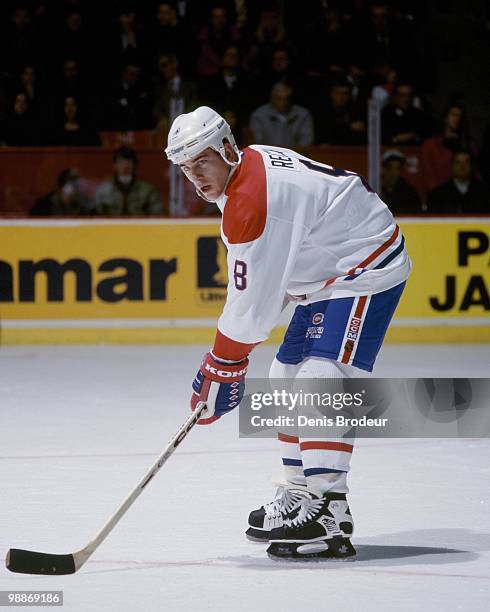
(208, 172)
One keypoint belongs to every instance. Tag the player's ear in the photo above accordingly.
(229, 151)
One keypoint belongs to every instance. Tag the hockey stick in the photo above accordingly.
(31, 562)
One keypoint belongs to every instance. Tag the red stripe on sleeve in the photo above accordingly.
(232, 350)
(377, 252)
(370, 258)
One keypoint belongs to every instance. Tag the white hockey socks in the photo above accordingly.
(325, 460)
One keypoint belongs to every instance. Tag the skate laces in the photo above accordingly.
(308, 508)
(284, 501)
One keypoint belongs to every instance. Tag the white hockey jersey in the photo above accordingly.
(303, 230)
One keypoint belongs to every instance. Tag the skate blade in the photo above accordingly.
(331, 550)
(311, 559)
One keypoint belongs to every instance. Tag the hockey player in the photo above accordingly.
(300, 230)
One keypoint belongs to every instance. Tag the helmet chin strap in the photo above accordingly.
(201, 195)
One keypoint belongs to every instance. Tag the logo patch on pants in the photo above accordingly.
(314, 332)
(354, 326)
(318, 318)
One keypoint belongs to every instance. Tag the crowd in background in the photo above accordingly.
(280, 74)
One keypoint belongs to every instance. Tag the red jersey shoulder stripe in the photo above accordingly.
(245, 212)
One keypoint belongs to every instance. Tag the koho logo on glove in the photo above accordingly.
(225, 373)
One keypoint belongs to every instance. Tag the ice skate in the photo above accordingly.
(320, 531)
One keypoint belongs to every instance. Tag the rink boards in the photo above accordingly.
(164, 281)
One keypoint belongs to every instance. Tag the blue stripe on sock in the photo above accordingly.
(314, 471)
(297, 462)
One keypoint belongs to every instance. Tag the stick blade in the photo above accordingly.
(31, 562)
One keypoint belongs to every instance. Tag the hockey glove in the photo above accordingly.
(220, 385)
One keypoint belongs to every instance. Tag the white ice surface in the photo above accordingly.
(79, 426)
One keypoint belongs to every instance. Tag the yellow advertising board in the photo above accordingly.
(156, 281)
(448, 293)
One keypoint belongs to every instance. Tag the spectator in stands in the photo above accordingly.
(384, 82)
(196, 15)
(401, 198)
(71, 130)
(173, 94)
(29, 85)
(327, 44)
(18, 43)
(84, 87)
(166, 34)
(337, 123)
(437, 152)
(19, 128)
(125, 194)
(269, 35)
(402, 123)
(378, 36)
(240, 130)
(126, 41)
(279, 68)
(389, 36)
(230, 88)
(462, 194)
(69, 81)
(66, 200)
(280, 122)
(270, 31)
(128, 106)
(359, 89)
(213, 39)
(128, 38)
(73, 40)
